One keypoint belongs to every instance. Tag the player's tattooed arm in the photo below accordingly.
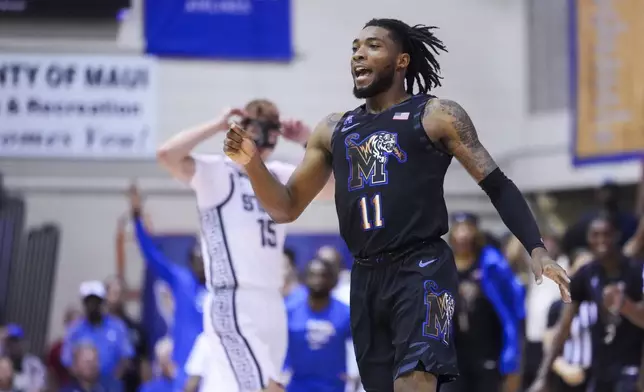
(448, 123)
(285, 203)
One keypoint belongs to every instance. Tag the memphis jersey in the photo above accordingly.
(241, 245)
(389, 179)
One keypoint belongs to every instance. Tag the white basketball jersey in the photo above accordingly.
(242, 246)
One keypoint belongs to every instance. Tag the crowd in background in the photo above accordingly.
(503, 326)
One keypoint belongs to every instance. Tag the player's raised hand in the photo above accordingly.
(134, 197)
(296, 131)
(543, 265)
(238, 145)
(226, 116)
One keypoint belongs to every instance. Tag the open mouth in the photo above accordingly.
(361, 73)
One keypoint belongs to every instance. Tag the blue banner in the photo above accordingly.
(157, 300)
(224, 29)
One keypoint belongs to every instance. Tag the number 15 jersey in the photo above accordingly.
(242, 247)
(388, 179)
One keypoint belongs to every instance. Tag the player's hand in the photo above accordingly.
(135, 199)
(222, 123)
(238, 145)
(296, 131)
(543, 265)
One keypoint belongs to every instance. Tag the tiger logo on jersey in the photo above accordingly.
(368, 158)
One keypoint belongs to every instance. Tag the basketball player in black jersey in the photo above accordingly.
(389, 157)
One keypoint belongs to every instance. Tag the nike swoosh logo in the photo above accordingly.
(349, 127)
(422, 263)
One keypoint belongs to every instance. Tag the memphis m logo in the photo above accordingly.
(368, 158)
(440, 311)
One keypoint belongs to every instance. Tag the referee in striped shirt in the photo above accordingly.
(571, 370)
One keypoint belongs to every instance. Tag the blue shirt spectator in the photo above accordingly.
(86, 369)
(164, 381)
(188, 290)
(160, 384)
(106, 333)
(319, 331)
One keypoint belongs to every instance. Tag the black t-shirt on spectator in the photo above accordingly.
(625, 349)
(478, 331)
(132, 377)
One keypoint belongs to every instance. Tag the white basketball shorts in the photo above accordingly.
(248, 334)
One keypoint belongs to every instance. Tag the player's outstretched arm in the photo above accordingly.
(285, 203)
(448, 123)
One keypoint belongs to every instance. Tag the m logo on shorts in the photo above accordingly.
(440, 311)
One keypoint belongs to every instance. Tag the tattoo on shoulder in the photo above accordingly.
(466, 147)
(332, 120)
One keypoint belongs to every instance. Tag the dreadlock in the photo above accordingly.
(422, 46)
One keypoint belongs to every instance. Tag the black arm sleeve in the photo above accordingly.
(513, 209)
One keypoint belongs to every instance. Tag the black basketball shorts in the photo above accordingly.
(402, 306)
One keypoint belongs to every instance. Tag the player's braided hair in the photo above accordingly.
(422, 46)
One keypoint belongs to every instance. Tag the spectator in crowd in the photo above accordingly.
(187, 285)
(538, 300)
(342, 289)
(199, 363)
(106, 333)
(86, 371)
(139, 369)
(608, 198)
(319, 329)
(635, 246)
(488, 314)
(58, 375)
(7, 376)
(571, 370)
(29, 371)
(342, 292)
(614, 284)
(164, 379)
(291, 277)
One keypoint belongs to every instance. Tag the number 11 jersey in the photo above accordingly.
(388, 179)
(242, 247)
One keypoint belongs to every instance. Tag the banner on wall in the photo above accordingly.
(82, 106)
(224, 29)
(607, 80)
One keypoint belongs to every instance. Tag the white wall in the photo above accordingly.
(484, 70)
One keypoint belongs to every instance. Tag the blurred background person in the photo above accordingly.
(139, 368)
(7, 376)
(571, 369)
(607, 198)
(200, 364)
(539, 297)
(614, 284)
(488, 315)
(163, 380)
(319, 329)
(106, 333)
(291, 276)
(58, 374)
(187, 284)
(29, 372)
(86, 370)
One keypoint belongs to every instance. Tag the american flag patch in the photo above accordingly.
(401, 116)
